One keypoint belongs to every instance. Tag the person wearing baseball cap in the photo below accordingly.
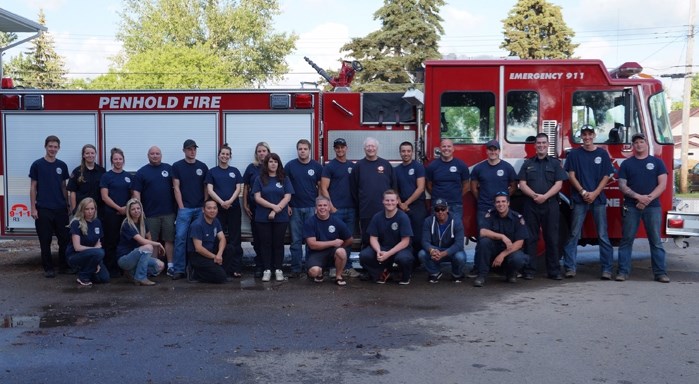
(442, 242)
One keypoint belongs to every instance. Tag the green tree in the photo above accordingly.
(392, 56)
(694, 96)
(198, 44)
(535, 29)
(40, 66)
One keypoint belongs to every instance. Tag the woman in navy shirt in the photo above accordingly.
(272, 191)
(115, 188)
(85, 180)
(84, 251)
(136, 248)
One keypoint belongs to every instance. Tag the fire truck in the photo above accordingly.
(469, 102)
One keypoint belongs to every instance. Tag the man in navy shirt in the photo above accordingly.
(153, 186)
(642, 179)
(389, 242)
(490, 177)
(371, 176)
(304, 174)
(326, 237)
(188, 177)
(500, 241)
(447, 179)
(410, 183)
(589, 169)
(209, 258)
(49, 204)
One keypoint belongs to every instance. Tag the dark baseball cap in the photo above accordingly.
(441, 203)
(189, 143)
(493, 144)
(339, 142)
(637, 136)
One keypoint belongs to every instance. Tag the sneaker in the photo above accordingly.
(258, 274)
(144, 282)
(479, 282)
(266, 275)
(472, 273)
(662, 279)
(85, 283)
(351, 272)
(171, 272)
(435, 278)
(570, 274)
(404, 282)
(384, 276)
(457, 279)
(190, 275)
(278, 275)
(178, 275)
(621, 277)
(528, 276)
(606, 276)
(512, 279)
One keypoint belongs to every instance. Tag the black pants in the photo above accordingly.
(111, 223)
(417, 215)
(404, 258)
(52, 222)
(206, 271)
(543, 217)
(230, 222)
(363, 226)
(271, 239)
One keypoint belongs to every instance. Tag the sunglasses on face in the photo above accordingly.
(440, 209)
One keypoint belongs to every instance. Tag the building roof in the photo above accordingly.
(9, 22)
(676, 116)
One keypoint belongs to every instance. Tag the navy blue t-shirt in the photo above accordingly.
(191, 177)
(325, 230)
(304, 178)
(119, 187)
(273, 192)
(252, 172)
(447, 178)
(370, 179)
(201, 230)
(89, 187)
(406, 179)
(127, 243)
(224, 181)
(390, 231)
(49, 179)
(491, 180)
(94, 234)
(339, 175)
(589, 167)
(154, 182)
(642, 177)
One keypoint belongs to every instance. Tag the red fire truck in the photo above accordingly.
(470, 102)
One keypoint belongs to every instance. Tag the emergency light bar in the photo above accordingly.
(626, 70)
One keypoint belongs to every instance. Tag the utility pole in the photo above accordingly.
(686, 99)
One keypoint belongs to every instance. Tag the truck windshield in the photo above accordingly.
(468, 117)
(660, 118)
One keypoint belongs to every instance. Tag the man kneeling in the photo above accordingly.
(443, 241)
(210, 260)
(326, 238)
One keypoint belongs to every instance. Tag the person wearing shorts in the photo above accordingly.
(327, 237)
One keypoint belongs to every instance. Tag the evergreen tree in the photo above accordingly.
(534, 29)
(392, 56)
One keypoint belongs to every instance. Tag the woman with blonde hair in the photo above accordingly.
(84, 251)
(252, 172)
(136, 249)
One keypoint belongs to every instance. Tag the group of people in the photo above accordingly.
(190, 215)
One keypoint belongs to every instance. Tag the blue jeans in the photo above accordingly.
(348, 216)
(296, 220)
(139, 264)
(458, 263)
(606, 252)
(86, 263)
(457, 211)
(185, 216)
(651, 220)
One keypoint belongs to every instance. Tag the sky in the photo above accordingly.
(650, 32)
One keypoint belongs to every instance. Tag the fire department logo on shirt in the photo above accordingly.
(97, 231)
(411, 172)
(164, 173)
(59, 171)
(394, 226)
(232, 175)
(500, 172)
(331, 229)
(598, 160)
(380, 168)
(199, 172)
(279, 184)
(650, 166)
(214, 232)
(452, 169)
(311, 172)
(127, 179)
(349, 170)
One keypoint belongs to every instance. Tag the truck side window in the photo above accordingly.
(522, 120)
(605, 111)
(467, 117)
(661, 119)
